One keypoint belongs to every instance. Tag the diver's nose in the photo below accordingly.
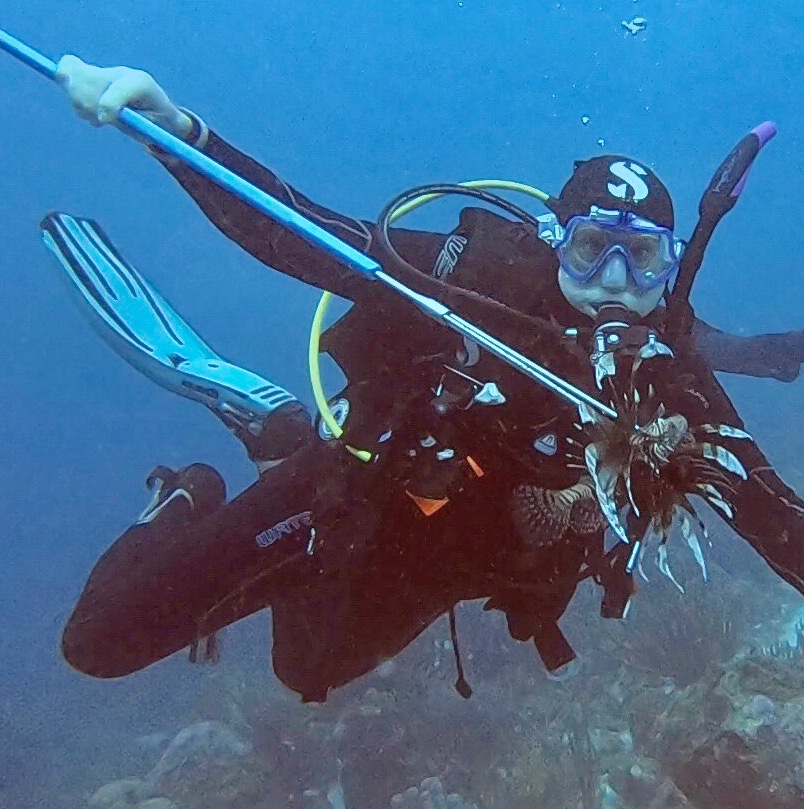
(614, 273)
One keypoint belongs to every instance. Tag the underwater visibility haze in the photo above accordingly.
(696, 699)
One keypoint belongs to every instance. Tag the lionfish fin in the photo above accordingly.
(642, 569)
(604, 490)
(722, 456)
(658, 412)
(694, 545)
(664, 566)
(630, 493)
(712, 496)
(693, 514)
(706, 473)
(726, 431)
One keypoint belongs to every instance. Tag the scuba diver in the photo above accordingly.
(440, 474)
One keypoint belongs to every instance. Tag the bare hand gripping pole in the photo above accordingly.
(345, 253)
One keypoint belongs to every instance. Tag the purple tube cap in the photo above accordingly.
(765, 131)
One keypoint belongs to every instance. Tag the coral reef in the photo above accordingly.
(201, 755)
(682, 637)
(429, 794)
(697, 703)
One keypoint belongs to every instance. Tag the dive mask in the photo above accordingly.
(651, 252)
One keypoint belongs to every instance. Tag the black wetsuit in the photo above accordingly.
(341, 551)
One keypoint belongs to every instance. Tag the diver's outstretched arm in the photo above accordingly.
(770, 516)
(766, 512)
(99, 93)
(764, 355)
(276, 246)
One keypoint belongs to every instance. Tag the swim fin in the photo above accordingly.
(143, 328)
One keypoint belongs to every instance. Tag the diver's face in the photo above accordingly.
(611, 284)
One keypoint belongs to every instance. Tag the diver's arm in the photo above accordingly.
(98, 94)
(767, 513)
(764, 355)
(267, 240)
(277, 246)
(770, 516)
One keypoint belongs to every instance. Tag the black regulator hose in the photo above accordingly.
(439, 190)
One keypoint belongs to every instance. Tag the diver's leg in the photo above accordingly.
(333, 629)
(193, 564)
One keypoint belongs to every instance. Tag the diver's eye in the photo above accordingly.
(644, 250)
(588, 244)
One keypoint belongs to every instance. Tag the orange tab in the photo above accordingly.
(476, 468)
(427, 505)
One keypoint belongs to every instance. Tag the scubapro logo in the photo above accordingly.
(448, 257)
(634, 188)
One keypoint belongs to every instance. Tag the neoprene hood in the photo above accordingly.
(614, 182)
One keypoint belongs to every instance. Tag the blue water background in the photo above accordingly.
(350, 102)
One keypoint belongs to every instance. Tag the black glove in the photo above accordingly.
(766, 355)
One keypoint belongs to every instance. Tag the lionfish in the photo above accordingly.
(642, 468)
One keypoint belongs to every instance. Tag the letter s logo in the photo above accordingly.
(630, 172)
